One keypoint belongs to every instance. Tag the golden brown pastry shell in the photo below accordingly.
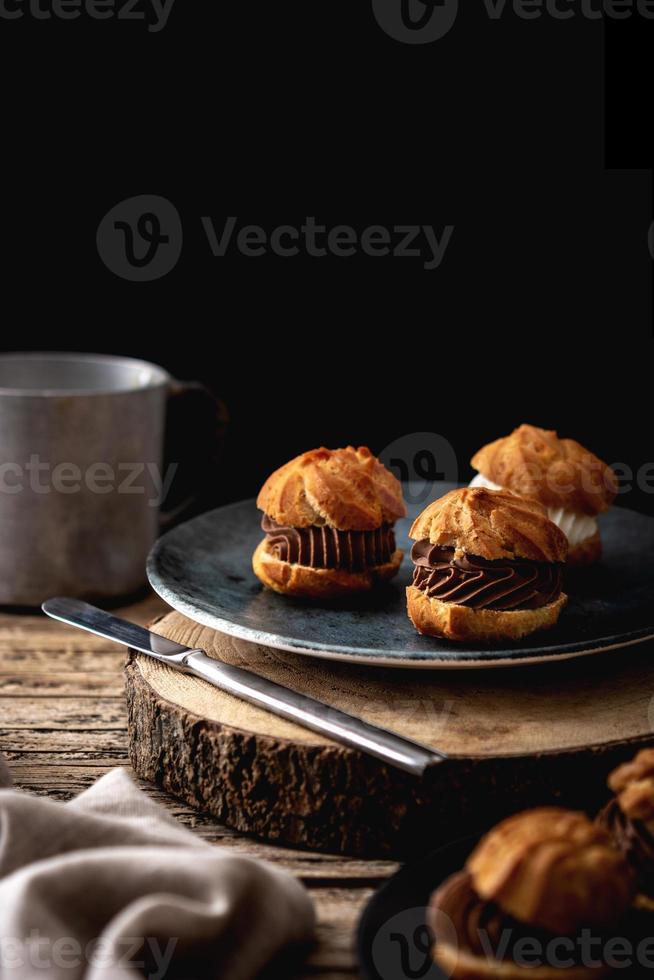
(633, 784)
(433, 617)
(493, 524)
(534, 462)
(554, 869)
(348, 489)
(318, 583)
(639, 768)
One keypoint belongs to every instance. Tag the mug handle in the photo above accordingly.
(196, 420)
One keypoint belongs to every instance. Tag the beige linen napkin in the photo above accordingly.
(110, 887)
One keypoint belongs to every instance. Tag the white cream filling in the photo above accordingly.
(576, 527)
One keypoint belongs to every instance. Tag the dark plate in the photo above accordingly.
(393, 941)
(203, 569)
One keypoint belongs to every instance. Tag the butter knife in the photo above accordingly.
(403, 753)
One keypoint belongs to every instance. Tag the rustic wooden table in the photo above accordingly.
(64, 724)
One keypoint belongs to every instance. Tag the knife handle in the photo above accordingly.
(306, 711)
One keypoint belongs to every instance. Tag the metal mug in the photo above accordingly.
(81, 473)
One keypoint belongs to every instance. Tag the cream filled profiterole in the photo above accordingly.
(329, 518)
(572, 483)
(535, 885)
(488, 567)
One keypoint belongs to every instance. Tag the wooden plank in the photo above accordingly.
(109, 757)
(48, 685)
(307, 973)
(34, 642)
(142, 611)
(83, 659)
(71, 743)
(64, 725)
(79, 713)
(338, 911)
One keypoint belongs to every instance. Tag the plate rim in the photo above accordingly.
(457, 659)
(406, 870)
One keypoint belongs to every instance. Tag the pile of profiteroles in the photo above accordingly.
(488, 558)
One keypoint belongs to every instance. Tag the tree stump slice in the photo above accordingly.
(516, 737)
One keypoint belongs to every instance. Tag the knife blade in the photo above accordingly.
(398, 751)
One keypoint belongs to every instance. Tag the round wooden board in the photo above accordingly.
(516, 738)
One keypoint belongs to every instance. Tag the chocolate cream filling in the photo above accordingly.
(482, 927)
(634, 840)
(481, 584)
(326, 547)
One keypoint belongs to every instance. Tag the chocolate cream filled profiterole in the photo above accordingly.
(487, 567)
(328, 521)
(534, 887)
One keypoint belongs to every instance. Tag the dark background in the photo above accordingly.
(530, 137)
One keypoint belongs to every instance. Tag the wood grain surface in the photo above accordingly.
(516, 738)
(63, 724)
